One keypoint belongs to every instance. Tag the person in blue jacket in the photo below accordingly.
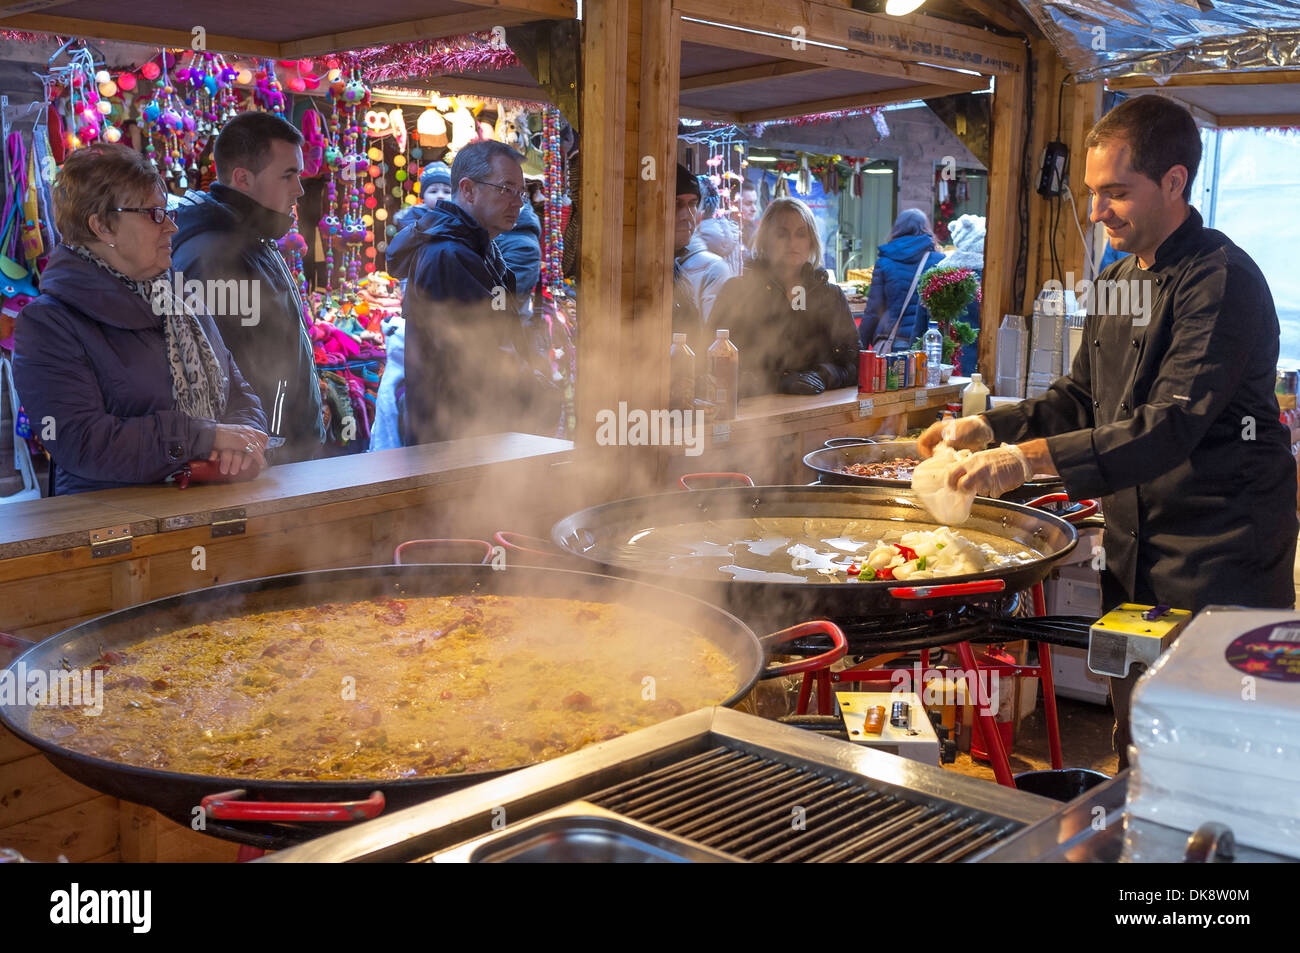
(123, 380)
(467, 360)
(521, 247)
(911, 249)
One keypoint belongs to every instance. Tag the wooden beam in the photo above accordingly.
(12, 8)
(731, 38)
(1008, 16)
(720, 115)
(453, 24)
(1242, 78)
(131, 33)
(915, 38)
(859, 101)
(748, 74)
(472, 86)
(1251, 120)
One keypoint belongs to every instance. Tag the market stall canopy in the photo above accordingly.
(1158, 38)
(280, 30)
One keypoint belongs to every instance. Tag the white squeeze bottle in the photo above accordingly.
(975, 398)
(933, 342)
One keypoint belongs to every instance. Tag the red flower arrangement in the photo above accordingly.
(946, 294)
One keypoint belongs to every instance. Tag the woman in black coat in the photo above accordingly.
(790, 323)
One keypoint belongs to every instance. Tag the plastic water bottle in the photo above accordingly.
(933, 355)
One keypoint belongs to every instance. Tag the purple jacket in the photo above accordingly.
(90, 358)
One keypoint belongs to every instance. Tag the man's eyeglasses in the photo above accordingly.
(521, 194)
(157, 213)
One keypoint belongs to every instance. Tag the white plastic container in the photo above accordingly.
(975, 398)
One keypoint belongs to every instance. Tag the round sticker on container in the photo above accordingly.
(1271, 651)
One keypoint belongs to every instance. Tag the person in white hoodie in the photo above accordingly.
(968, 235)
(384, 434)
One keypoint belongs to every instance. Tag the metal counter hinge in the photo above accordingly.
(110, 541)
(229, 522)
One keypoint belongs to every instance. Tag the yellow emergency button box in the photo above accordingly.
(1132, 633)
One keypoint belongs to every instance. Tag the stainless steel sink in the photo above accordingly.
(579, 833)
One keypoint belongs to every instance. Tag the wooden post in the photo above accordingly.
(1085, 102)
(632, 56)
(645, 347)
(1045, 78)
(1003, 231)
(600, 263)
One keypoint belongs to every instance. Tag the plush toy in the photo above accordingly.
(313, 147)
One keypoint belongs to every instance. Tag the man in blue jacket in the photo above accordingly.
(227, 240)
(467, 357)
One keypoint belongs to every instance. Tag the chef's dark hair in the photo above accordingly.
(1160, 132)
(245, 143)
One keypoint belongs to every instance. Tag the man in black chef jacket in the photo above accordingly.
(1168, 413)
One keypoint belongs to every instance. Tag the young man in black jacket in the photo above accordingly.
(227, 241)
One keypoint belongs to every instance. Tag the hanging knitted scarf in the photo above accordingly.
(199, 384)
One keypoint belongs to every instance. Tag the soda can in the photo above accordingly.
(880, 373)
(906, 380)
(867, 371)
(891, 372)
(923, 371)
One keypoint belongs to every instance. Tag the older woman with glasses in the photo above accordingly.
(123, 381)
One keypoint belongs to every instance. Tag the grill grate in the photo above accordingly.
(745, 804)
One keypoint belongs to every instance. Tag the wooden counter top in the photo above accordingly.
(845, 400)
(40, 526)
(771, 433)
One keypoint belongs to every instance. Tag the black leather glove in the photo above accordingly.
(805, 382)
(830, 375)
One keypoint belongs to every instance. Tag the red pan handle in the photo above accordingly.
(230, 806)
(833, 654)
(533, 545)
(739, 479)
(11, 646)
(14, 642)
(952, 589)
(410, 551)
(1086, 507)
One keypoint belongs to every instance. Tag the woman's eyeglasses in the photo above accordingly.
(520, 194)
(157, 213)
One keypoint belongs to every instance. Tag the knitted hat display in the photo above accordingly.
(968, 233)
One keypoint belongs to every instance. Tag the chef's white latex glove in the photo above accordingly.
(930, 484)
(963, 433)
(991, 472)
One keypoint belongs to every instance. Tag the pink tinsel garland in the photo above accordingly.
(22, 36)
(471, 53)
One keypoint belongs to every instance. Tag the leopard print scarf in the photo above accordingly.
(199, 383)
